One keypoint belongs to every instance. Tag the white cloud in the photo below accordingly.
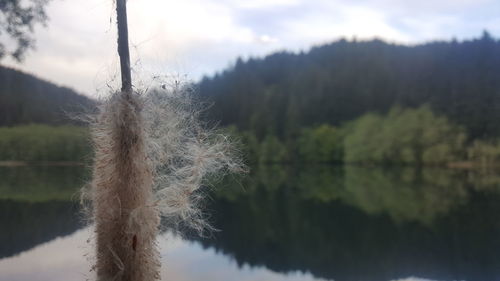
(197, 37)
(348, 21)
(76, 44)
(262, 4)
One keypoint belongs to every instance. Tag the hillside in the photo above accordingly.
(366, 102)
(26, 99)
(334, 83)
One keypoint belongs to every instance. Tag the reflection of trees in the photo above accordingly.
(25, 224)
(346, 223)
(405, 194)
(41, 183)
(363, 224)
(35, 205)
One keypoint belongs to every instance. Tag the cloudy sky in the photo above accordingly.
(192, 38)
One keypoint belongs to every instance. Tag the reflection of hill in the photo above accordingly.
(35, 205)
(25, 224)
(356, 234)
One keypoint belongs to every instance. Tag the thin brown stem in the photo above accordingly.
(123, 48)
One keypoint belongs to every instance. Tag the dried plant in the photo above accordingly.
(152, 155)
(185, 153)
(123, 206)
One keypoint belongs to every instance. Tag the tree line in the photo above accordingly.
(411, 136)
(367, 102)
(332, 84)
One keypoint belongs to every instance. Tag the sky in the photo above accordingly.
(188, 39)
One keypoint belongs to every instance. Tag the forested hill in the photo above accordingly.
(26, 99)
(340, 81)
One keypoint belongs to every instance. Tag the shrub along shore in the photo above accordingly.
(416, 137)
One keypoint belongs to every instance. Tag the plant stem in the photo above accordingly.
(123, 48)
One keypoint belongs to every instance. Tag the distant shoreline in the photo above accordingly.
(39, 163)
(459, 165)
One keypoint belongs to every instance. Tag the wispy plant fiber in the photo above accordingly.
(185, 154)
(152, 155)
(123, 204)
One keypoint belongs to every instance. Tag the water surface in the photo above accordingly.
(279, 223)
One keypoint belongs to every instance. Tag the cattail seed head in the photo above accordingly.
(152, 155)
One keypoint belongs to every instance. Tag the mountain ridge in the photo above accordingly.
(340, 81)
(25, 99)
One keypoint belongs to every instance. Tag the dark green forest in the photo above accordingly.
(368, 102)
(25, 99)
(338, 82)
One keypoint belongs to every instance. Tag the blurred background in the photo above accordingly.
(371, 129)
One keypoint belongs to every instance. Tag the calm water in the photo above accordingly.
(280, 223)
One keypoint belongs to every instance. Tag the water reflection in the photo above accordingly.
(359, 223)
(26, 224)
(41, 183)
(37, 204)
(284, 223)
(65, 259)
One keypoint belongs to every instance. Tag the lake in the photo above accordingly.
(278, 223)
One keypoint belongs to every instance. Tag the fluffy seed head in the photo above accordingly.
(152, 156)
